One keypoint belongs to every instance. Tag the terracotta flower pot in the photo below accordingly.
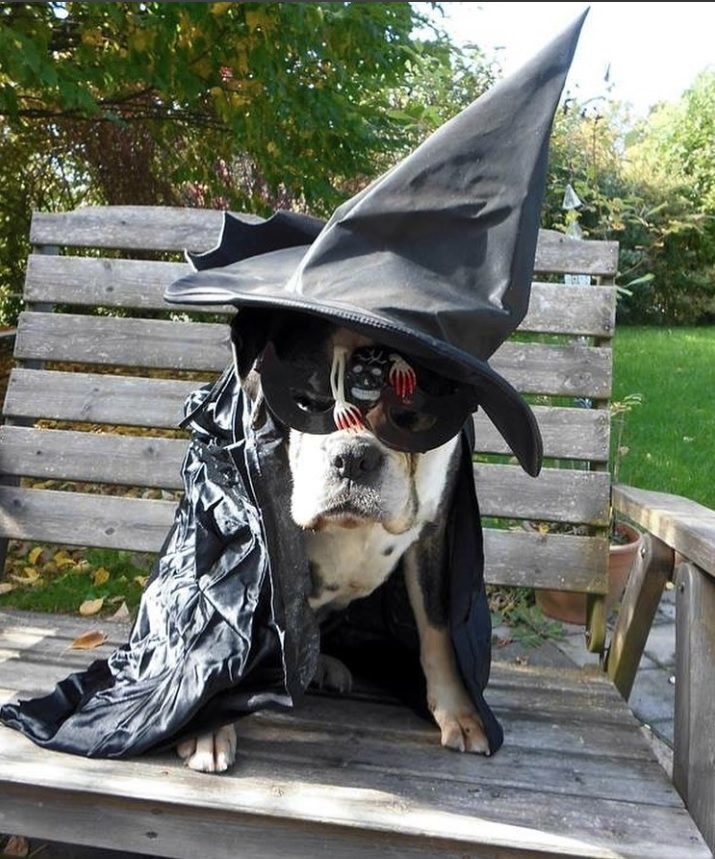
(570, 607)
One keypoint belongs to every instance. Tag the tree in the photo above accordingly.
(298, 92)
(249, 106)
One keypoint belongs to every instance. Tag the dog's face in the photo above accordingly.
(348, 478)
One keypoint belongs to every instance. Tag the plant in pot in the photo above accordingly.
(625, 540)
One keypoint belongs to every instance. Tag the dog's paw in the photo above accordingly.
(212, 752)
(332, 674)
(462, 731)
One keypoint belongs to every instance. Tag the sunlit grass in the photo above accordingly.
(671, 435)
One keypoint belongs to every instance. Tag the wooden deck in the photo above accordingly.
(353, 777)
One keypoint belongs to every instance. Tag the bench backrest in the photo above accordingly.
(90, 454)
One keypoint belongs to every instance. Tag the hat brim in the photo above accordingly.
(260, 282)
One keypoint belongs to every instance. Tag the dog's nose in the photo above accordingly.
(355, 460)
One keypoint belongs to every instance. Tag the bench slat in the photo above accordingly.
(560, 495)
(355, 778)
(568, 433)
(556, 252)
(92, 458)
(103, 340)
(571, 433)
(164, 228)
(580, 310)
(96, 398)
(131, 228)
(557, 561)
(139, 284)
(104, 282)
(68, 518)
(537, 368)
(137, 524)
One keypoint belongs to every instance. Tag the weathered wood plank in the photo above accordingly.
(694, 752)
(557, 252)
(359, 770)
(559, 309)
(104, 282)
(96, 398)
(311, 765)
(572, 433)
(116, 341)
(166, 228)
(568, 433)
(572, 371)
(140, 284)
(556, 561)
(558, 495)
(92, 457)
(682, 524)
(159, 228)
(67, 518)
(537, 368)
(652, 568)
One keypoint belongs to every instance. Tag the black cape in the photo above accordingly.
(224, 628)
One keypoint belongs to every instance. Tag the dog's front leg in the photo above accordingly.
(212, 752)
(460, 725)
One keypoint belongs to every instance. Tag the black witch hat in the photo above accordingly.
(434, 258)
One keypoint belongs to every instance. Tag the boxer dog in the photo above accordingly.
(373, 446)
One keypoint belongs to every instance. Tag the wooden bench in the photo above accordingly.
(99, 354)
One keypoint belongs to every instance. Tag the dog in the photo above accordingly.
(366, 508)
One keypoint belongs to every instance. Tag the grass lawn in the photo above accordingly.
(671, 435)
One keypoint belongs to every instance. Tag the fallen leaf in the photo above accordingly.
(34, 555)
(88, 640)
(16, 845)
(63, 560)
(100, 576)
(30, 576)
(90, 607)
(122, 613)
(6, 587)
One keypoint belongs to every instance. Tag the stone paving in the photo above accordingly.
(653, 697)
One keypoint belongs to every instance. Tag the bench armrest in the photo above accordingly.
(685, 526)
(679, 546)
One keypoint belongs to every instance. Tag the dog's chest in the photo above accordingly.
(350, 563)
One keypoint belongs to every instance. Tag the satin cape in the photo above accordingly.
(224, 628)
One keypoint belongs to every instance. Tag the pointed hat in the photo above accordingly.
(434, 258)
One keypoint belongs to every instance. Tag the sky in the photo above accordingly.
(654, 50)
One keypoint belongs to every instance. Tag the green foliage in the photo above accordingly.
(649, 187)
(516, 609)
(245, 104)
(248, 106)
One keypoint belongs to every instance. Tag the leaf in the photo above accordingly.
(100, 576)
(6, 587)
(88, 640)
(30, 577)
(34, 555)
(122, 613)
(63, 560)
(17, 845)
(90, 607)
